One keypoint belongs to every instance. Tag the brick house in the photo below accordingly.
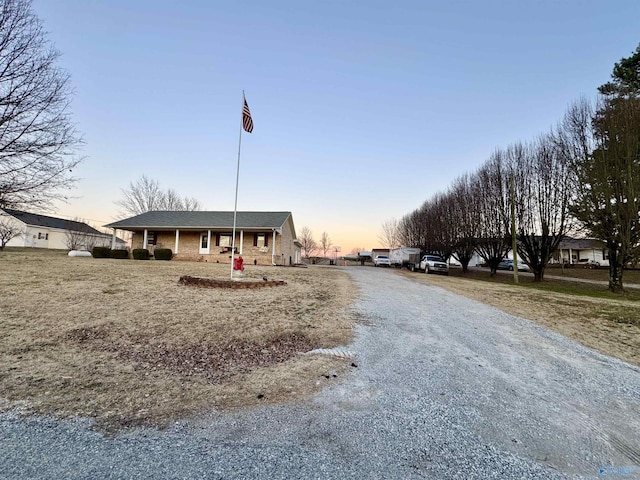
(264, 238)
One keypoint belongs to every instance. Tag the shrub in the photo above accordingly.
(120, 253)
(163, 254)
(140, 254)
(100, 252)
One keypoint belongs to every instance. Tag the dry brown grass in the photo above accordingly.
(123, 342)
(608, 325)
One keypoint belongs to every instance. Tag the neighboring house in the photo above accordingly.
(265, 238)
(581, 251)
(43, 231)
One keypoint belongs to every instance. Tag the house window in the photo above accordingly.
(605, 254)
(204, 242)
(46, 236)
(152, 238)
(260, 240)
(223, 240)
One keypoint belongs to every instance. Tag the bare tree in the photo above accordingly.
(38, 141)
(411, 230)
(309, 245)
(389, 236)
(492, 192)
(325, 244)
(145, 195)
(464, 212)
(542, 189)
(79, 235)
(191, 204)
(8, 231)
(356, 250)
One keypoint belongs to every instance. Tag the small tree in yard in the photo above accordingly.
(8, 231)
(79, 235)
(325, 244)
(309, 245)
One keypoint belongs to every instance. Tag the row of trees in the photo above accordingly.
(583, 175)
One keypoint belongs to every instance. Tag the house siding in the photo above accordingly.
(54, 239)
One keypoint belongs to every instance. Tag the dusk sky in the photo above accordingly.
(362, 109)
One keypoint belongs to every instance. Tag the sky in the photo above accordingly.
(362, 110)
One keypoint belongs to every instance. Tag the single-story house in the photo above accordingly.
(43, 231)
(265, 238)
(581, 251)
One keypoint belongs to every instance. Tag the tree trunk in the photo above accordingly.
(615, 280)
(615, 271)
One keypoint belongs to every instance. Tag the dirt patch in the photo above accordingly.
(607, 325)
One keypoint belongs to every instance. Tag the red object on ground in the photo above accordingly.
(237, 263)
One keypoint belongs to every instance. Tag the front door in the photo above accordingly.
(204, 243)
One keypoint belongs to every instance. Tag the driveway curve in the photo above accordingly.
(446, 387)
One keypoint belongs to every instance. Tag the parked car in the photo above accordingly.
(507, 264)
(381, 261)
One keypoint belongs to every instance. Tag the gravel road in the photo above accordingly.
(445, 388)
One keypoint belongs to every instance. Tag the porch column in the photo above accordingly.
(209, 241)
(144, 239)
(273, 248)
(241, 240)
(177, 240)
(570, 257)
(113, 239)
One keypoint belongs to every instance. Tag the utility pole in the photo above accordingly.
(514, 244)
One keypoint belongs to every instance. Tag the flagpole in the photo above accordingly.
(235, 205)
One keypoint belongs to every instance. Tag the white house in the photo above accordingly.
(581, 251)
(42, 231)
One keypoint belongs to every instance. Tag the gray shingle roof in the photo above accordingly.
(581, 243)
(35, 219)
(200, 219)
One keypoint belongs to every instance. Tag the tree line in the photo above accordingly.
(581, 176)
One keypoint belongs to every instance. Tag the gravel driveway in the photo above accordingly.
(445, 388)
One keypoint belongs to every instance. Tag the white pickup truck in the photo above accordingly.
(432, 264)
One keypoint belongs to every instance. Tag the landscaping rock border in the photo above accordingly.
(236, 284)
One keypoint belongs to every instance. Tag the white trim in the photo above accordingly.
(113, 240)
(204, 251)
(273, 248)
(241, 240)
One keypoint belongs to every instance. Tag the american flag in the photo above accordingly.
(247, 121)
